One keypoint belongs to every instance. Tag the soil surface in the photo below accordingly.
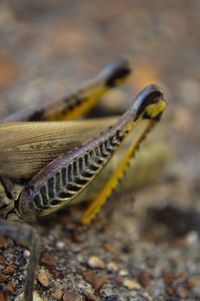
(145, 244)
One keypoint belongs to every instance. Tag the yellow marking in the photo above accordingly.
(96, 205)
(90, 96)
(90, 100)
(154, 110)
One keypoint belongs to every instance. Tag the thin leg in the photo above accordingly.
(79, 101)
(27, 236)
(97, 204)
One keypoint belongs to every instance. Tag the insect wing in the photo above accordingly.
(26, 147)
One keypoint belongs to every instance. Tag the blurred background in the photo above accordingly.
(50, 47)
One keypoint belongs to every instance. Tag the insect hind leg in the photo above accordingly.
(81, 100)
(27, 236)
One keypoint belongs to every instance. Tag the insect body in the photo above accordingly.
(52, 163)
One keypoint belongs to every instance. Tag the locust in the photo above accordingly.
(48, 158)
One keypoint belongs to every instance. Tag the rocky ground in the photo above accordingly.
(145, 244)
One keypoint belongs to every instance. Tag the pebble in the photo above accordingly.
(182, 292)
(9, 270)
(43, 278)
(48, 259)
(144, 278)
(3, 296)
(60, 245)
(96, 262)
(10, 286)
(131, 284)
(168, 277)
(147, 296)
(112, 267)
(110, 248)
(192, 238)
(27, 253)
(123, 273)
(71, 296)
(191, 282)
(3, 277)
(36, 297)
(57, 294)
(96, 281)
(80, 258)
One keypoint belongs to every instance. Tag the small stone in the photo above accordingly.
(192, 238)
(43, 278)
(94, 280)
(112, 266)
(144, 278)
(131, 284)
(80, 258)
(123, 273)
(9, 270)
(27, 253)
(191, 282)
(10, 286)
(181, 292)
(60, 245)
(147, 297)
(168, 278)
(3, 278)
(110, 248)
(57, 294)
(96, 262)
(36, 297)
(3, 296)
(70, 296)
(48, 259)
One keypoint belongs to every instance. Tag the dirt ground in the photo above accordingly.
(147, 247)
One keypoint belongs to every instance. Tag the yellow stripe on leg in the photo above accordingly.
(90, 99)
(96, 205)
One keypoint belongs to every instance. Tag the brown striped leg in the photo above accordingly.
(27, 236)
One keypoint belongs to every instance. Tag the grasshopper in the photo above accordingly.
(47, 158)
